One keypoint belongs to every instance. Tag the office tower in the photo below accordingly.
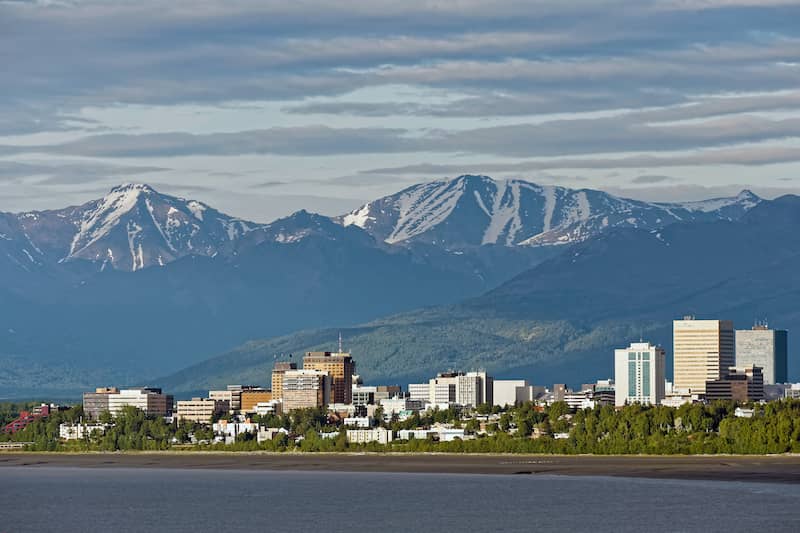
(639, 374)
(340, 367)
(704, 350)
(766, 348)
(305, 388)
(278, 371)
(742, 384)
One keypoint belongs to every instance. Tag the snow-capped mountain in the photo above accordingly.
(477, 210)
(302, 225)
(130, 228)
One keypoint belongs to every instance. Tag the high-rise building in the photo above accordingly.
(305, 388)
(704, 350)
(739, 383)
(766, 348)
(639, 374)
(340, 367)
(278, 371)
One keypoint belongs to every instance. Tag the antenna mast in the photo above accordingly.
(340, 343)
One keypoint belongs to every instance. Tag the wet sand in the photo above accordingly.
(770, 469)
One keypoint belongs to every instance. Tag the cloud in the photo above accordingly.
(738, 155)
(68, 173)
(651, 178)
(688, 193)
(305, 140)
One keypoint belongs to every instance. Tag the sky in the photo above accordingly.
(263, 107)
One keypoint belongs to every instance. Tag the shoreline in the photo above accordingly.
(759, 468)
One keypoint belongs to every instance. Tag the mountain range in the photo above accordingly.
(561, 320)
(138, 284)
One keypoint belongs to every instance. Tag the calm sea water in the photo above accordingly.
(78, 499)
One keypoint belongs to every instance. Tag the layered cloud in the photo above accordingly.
(396, 89)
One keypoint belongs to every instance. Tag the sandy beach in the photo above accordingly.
(771, 469)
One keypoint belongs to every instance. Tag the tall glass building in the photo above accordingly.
(764, 347)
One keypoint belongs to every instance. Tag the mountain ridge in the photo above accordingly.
(474, 210)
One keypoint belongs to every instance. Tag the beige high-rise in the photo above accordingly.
(340, 367)
(704, 350)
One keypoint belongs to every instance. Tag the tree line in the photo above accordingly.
(529, 428)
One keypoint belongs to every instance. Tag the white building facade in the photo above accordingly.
(639, 374)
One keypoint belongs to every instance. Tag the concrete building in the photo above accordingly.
(419, 391)
(467, 389)
(233, 395)
(704, 350)
(95, 403)
(383, 392)
(792, 391)
(80, 431)
(305, 388)
(400, 406)
(358, 421)
(340, 367)
(201, 410)
(228, 432)
(765, 348)
(364, 436)
(474, 388)
(364, 395)
(639, 372)
(510, 392)
(559, 391)
(273, 407)
(278, 371)
(742, 384)
(252, 397)
(150, 400)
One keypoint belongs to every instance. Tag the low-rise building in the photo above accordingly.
(148, 399)
(80, 431)
(252, 397)
(358, 421)
(201, 410)
(399, 406)
(230, 431)
(511, 392)
(273, 407)
(265, 434)
(364, 436)
(95, 403)
(740, 383)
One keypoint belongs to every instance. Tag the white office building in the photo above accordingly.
(510, 392)
(149, 400)
(639, 374)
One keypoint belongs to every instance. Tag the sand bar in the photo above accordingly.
(771, 469)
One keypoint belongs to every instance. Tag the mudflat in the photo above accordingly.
(770, 469)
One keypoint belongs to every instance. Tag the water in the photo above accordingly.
(121, 499)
